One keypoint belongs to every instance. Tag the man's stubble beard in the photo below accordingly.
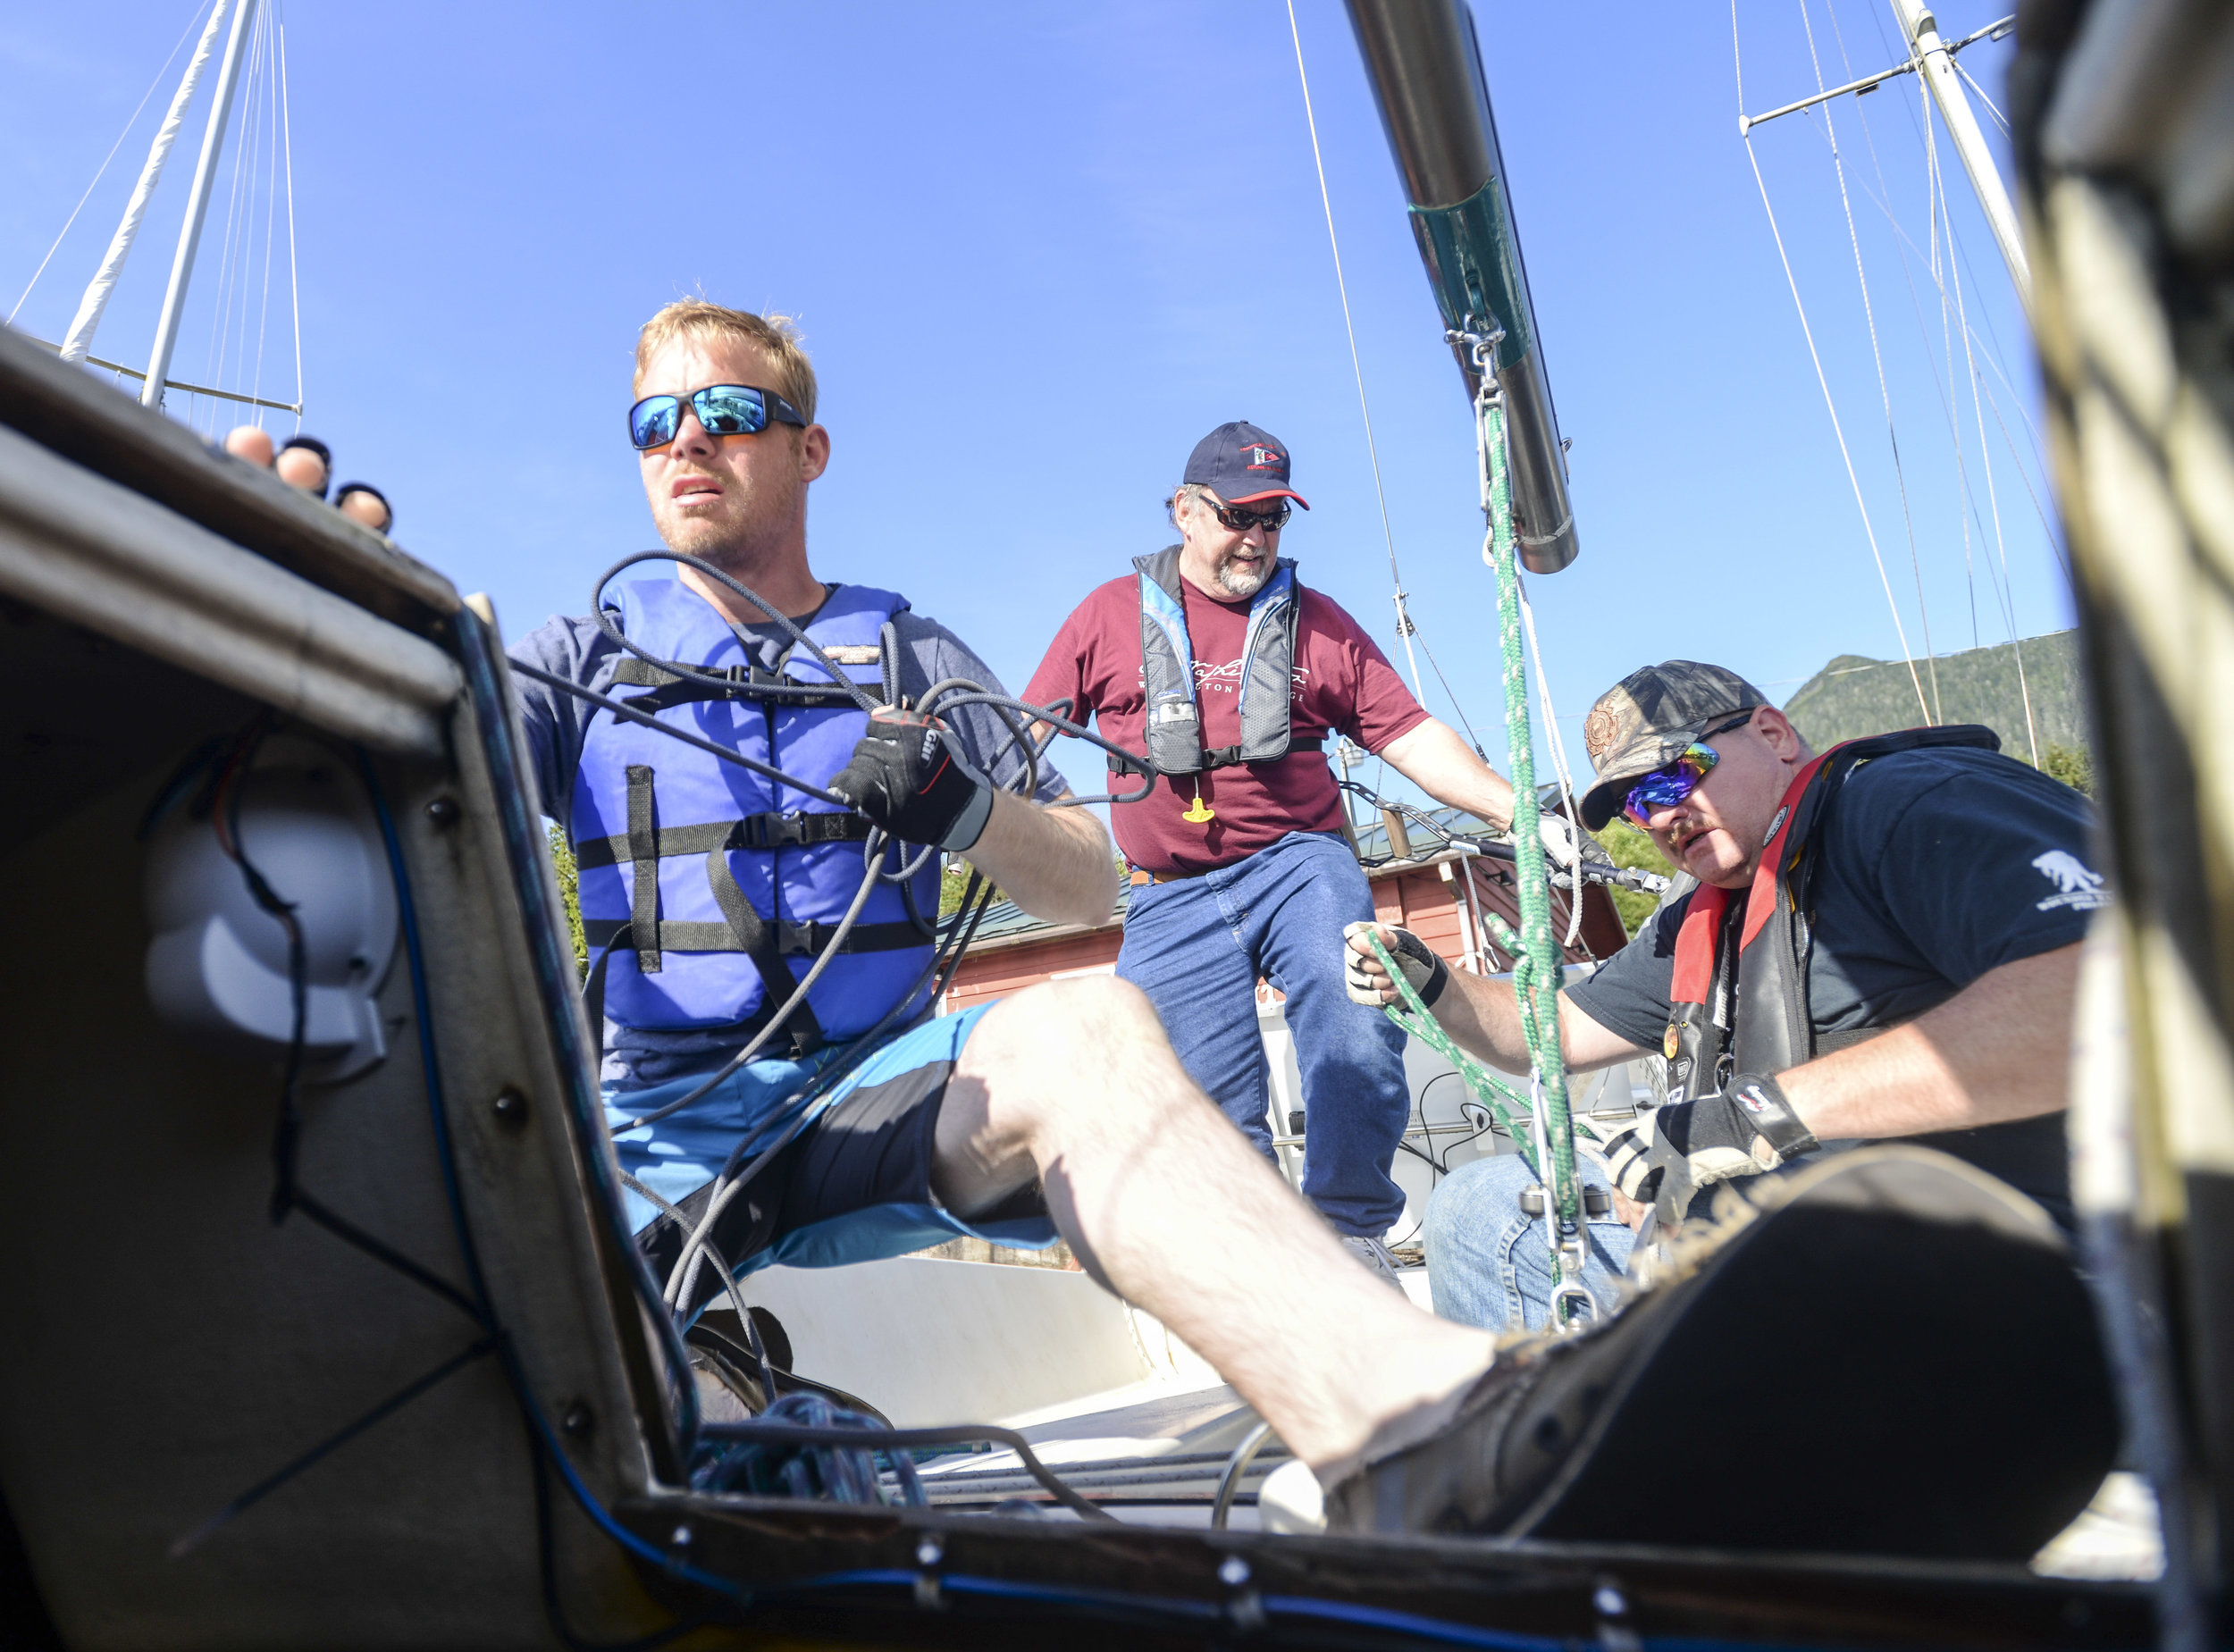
(738, 549)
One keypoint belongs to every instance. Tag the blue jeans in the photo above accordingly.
(1196, 947)
(1488, 1262)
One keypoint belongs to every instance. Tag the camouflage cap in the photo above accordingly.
(1644, 721)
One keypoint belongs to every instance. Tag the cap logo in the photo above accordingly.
(1261, 458)
(1599, 730)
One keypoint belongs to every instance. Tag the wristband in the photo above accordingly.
(969, 825)
(1770, 1114)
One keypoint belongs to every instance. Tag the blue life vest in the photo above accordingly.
(709, 889)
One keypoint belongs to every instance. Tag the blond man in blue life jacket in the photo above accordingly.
(1903, 967)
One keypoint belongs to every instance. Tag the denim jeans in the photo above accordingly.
(1488, 1262)
(1196, 946)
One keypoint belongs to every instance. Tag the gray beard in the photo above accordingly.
(1243, 585)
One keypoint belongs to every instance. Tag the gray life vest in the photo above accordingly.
(1171, 726)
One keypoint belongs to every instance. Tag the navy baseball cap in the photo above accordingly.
(1242, 465)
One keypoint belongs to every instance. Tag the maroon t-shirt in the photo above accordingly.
(1342, 684)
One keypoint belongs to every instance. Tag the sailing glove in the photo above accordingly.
(1361, 970)
(1687, 1146)
(904, 779)
(1559, 846)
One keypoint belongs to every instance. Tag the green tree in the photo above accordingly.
(2074, 766)
(570, 893)
(1632, 848)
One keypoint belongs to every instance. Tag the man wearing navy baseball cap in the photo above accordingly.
(1213, 659)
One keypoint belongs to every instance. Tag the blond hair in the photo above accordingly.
(698, 318)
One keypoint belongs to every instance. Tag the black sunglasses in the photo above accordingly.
(722, 410)
(1238, 521)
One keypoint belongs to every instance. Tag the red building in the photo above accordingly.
(1440, 897)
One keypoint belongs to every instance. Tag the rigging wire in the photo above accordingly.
(1815, 355)
(133, 120)
(287, 149)
(214, 358)
(1405, 626)
(1985, 458)
(1558, 761)
(1998, 357)
(1936, 205)
(2000, 120)
(2028, 458)
(270, 200)
(1936, 712)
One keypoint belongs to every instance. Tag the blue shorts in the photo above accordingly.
(853, 1185)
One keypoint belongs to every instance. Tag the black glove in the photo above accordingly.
(1427, 973)
(1687, 1146)
(903, 779)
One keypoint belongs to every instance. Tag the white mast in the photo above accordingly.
(1922, 30)
(196, 207)
(79, 341)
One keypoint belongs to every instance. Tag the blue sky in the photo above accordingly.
(1038, 252)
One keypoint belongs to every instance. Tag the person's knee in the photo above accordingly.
(1060, 1026)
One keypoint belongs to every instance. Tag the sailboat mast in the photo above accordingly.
(196, 207)
(78, 342)
(1920, 29)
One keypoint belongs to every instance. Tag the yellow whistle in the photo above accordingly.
(1198, 813)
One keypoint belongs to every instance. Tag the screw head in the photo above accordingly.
(444, 811)
(930, 1552)
(579, 1422)
(681, 1538)
(1233, 1571)
(1610, 1601)
(510, 1106)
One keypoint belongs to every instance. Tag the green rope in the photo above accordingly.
(1537, 986)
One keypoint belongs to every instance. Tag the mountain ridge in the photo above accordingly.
(1854, 696)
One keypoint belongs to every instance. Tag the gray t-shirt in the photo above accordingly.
(579, 651)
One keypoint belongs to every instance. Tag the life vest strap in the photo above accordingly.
(745, 682)
(796, 828)
(1220, 757)
(792, 940)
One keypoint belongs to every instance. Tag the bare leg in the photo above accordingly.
(1165, 1204)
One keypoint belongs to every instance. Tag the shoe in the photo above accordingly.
(1888, 1353)
(1374, 1254)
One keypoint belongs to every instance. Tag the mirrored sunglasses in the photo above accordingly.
(722, 410)
(1672, 783)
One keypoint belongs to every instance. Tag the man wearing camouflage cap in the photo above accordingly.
(1883, 943)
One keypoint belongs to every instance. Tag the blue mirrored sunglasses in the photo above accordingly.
(1672, 783)
(722, 410)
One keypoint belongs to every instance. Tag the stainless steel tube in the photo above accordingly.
(1425, 65)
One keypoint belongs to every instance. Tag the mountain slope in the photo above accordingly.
(1854, 696)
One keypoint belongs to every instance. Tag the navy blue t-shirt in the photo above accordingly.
(1933, 866)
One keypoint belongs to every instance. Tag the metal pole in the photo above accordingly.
(197, 208)
(1922, 30)
(78, 342)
